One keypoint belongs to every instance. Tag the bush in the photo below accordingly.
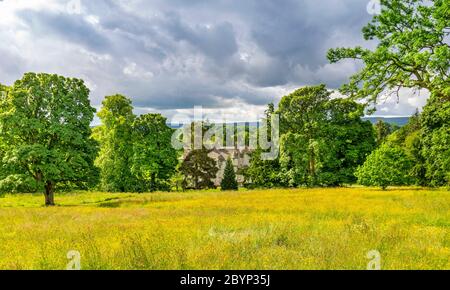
(387, 166)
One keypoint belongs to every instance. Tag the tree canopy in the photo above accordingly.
(154, 159)
(45, 131)
(115, 137)
(435, 142)
(199, 169)
(323, 140)
(386, 166)
(413, 51)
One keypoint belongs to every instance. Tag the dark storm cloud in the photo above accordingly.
(299, 30)
(173, 54)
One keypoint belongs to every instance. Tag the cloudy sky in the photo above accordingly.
(231, 57)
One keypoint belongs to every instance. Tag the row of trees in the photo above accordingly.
(135, 153)
(326, 143)
(413, 52)
(416, 154)
(323, 141)
(46, 142)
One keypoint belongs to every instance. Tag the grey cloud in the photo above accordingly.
(71, 28)
(11, 65)
(217, 41)
(174, 54)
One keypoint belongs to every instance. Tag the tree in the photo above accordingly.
(383, 130)
(115, 136)
(409, 138)
(198, 169)
(45, 129)
(324, 140)
(435, 141)
(154, 159)
(260, 172)
(229, 181)
(348, 140)
(302, 117)
(301, 159)
(13, 178)
(387, 166)
(177, 179)
(412, 51)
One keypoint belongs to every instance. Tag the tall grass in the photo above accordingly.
(265, 229)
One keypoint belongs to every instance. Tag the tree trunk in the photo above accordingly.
(49, 194)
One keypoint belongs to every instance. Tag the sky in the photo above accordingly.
(169, 56)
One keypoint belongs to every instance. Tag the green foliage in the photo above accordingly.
(348, 140)
(3, 91)
(136, 152)
(412, 51)
(229, 181)
(426, 141)
(301, 159)
(404, 134)
(409, 138)
(435, 140)
(383, 130)
(154, 159)
(263, 173)
(304, 111)
(116, 144)
(324, 140)
(18, 183)
(177, 179)
(199, 170)
(45, 133)
(303, 119)
(387, 166)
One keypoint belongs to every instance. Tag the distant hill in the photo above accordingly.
(252, 124)
(400, 121)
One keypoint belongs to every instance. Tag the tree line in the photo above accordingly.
(47, 143)
(327, 144)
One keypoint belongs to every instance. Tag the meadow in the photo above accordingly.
(261, 229)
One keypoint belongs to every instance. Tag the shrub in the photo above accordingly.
(387, 166)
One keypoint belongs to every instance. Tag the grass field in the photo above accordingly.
(273, 229)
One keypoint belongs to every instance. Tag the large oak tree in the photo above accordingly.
(413, 51)
(45, 131)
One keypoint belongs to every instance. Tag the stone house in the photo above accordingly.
(240, 158)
